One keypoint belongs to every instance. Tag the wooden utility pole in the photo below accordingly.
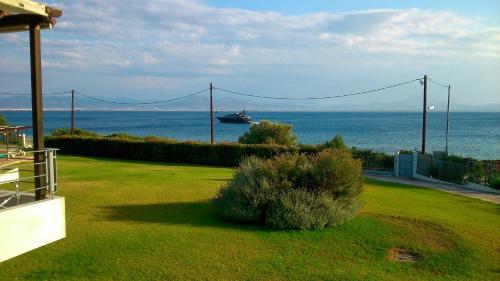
(448, 118)
(72, 110)
(211, 116)
(424, 115)
(37, 109)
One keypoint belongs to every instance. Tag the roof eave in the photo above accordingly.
(17, 15)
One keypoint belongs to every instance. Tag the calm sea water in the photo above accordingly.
(471, 134)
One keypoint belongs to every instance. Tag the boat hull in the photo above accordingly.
(234, 121)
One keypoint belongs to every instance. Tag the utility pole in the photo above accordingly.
(424, 115)
(72, 110)
(448, 118)
(211, 115)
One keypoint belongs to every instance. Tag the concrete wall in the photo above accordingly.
(30, 226)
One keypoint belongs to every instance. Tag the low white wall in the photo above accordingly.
(30, 226)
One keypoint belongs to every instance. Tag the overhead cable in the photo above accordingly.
(316, 98)
(141, 103)
(437, 83)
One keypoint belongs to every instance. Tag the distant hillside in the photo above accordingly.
(223, 103)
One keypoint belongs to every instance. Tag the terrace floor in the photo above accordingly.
(149, 221)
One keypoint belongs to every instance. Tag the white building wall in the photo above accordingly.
(30, 226)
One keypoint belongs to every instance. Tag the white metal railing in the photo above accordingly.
(18, 177)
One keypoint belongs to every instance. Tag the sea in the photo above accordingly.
(474, 135)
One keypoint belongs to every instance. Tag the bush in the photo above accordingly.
(299, 209)
(448, 171)
(293, 190)
(124, 136)
(476, 173)
(3, 121)
(266, 132)
(243, 198)
(76, 132)
(494, 181)
(169, 150)
(155, 138)
(336, 143)
(164, 150)
(373, 160)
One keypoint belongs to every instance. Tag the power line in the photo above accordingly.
(317, 98)
(45, 94)
(142, 103)
(437, 83)
(233, 92)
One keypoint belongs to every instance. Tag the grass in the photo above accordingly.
(149, 221)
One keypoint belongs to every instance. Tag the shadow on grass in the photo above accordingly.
(200, 214)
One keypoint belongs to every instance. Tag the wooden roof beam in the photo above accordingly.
(17, 15)
(13, 23)
(23, 7)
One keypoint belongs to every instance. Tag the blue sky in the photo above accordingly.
(134, 50)
(486, 8)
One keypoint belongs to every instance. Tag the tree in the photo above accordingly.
(336, 143)
(3, 120)
(266, 132)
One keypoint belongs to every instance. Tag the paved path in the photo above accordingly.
(490, 197)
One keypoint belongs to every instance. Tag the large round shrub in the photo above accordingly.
(293, 191)
(299, 209)
(243, 198)
(266, 132)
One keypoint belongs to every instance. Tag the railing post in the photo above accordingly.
(51, 173)
(18, 193)
(47, 169)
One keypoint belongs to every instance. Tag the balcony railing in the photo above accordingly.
(24, 177)
(18, 180)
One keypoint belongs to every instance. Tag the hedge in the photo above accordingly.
(223, 154)
(164, 150)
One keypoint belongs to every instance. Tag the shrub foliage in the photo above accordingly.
(163, 150)
(494, 181)
(336, 143)
(76, 132)
(266, 132)
(168, 150)
(294, 191)
(3, 120)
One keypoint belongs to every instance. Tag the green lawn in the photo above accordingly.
(147, 221)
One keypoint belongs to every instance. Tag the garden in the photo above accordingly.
(260, 209)
(133, 220)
